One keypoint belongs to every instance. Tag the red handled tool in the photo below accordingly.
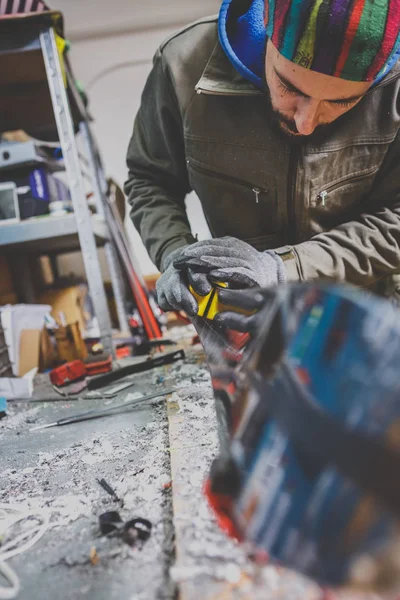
(68, 373)
(77, 369)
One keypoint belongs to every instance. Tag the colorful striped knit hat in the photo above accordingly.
(358, 40)
(351, 39)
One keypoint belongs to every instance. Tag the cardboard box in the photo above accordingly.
(69, 302)
(35, 351)
(29, 351)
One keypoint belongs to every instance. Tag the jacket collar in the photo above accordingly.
(220, 77)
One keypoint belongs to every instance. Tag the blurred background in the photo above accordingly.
(113, 42)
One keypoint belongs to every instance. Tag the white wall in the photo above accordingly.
(125, 60)
(101, 18)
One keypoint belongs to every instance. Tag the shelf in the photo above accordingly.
(25, 101)
(48, 235)
(37, 98)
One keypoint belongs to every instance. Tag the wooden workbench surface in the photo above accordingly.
(156, 458)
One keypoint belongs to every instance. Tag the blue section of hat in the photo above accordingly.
(244, 40)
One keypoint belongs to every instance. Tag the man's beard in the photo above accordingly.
(287, 127)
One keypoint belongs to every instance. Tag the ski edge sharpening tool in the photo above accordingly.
(210, 305)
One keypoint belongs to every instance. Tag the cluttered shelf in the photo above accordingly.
(49, 234)
(42, 110)
(26, 102)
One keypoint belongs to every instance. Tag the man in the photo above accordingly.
(284, 118)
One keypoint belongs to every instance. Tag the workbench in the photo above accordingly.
(156, 457)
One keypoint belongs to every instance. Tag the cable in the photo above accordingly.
(10, 592)
(117, 67)
(9, 517)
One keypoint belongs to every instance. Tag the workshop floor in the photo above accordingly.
(139, 452)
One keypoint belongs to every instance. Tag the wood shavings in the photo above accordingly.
(94, 557)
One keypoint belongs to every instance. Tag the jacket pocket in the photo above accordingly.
(345, 192)
(336, 202)
(233, 206)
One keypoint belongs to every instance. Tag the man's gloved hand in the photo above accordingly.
(249, 300)
(172, 286)
(233, 261)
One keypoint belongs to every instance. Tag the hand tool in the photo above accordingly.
(136, 530)
(100, 363)
(147, 365)
(102, 412)
(107, 488)
(68, 373)
(210, 306)
(110, 522)
(77, 369)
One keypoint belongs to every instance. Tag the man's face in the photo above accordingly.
(303, 100)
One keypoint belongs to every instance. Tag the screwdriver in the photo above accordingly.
(97, 413)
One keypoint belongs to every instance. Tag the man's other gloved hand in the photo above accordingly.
(172, 286)
(233, 261)
(249, 300)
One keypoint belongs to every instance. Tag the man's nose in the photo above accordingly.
(307, 115)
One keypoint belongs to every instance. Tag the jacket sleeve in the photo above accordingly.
(366, 248)
(157, 182)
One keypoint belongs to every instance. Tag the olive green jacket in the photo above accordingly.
(202, 127)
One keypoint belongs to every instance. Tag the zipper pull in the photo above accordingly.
(321, 198)
(257, 193)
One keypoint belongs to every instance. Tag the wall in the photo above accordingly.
(113, 68)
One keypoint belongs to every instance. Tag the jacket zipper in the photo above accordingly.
(256, 190)
(291, 196)
(322, 196)
(200, 90)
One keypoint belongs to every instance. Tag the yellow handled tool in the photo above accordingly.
(210, 306)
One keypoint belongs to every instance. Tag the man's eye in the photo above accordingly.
(344, 103)
(284, 89)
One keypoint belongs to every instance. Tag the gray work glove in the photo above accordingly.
(172, 286)
(233, 261)
(250, 300)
